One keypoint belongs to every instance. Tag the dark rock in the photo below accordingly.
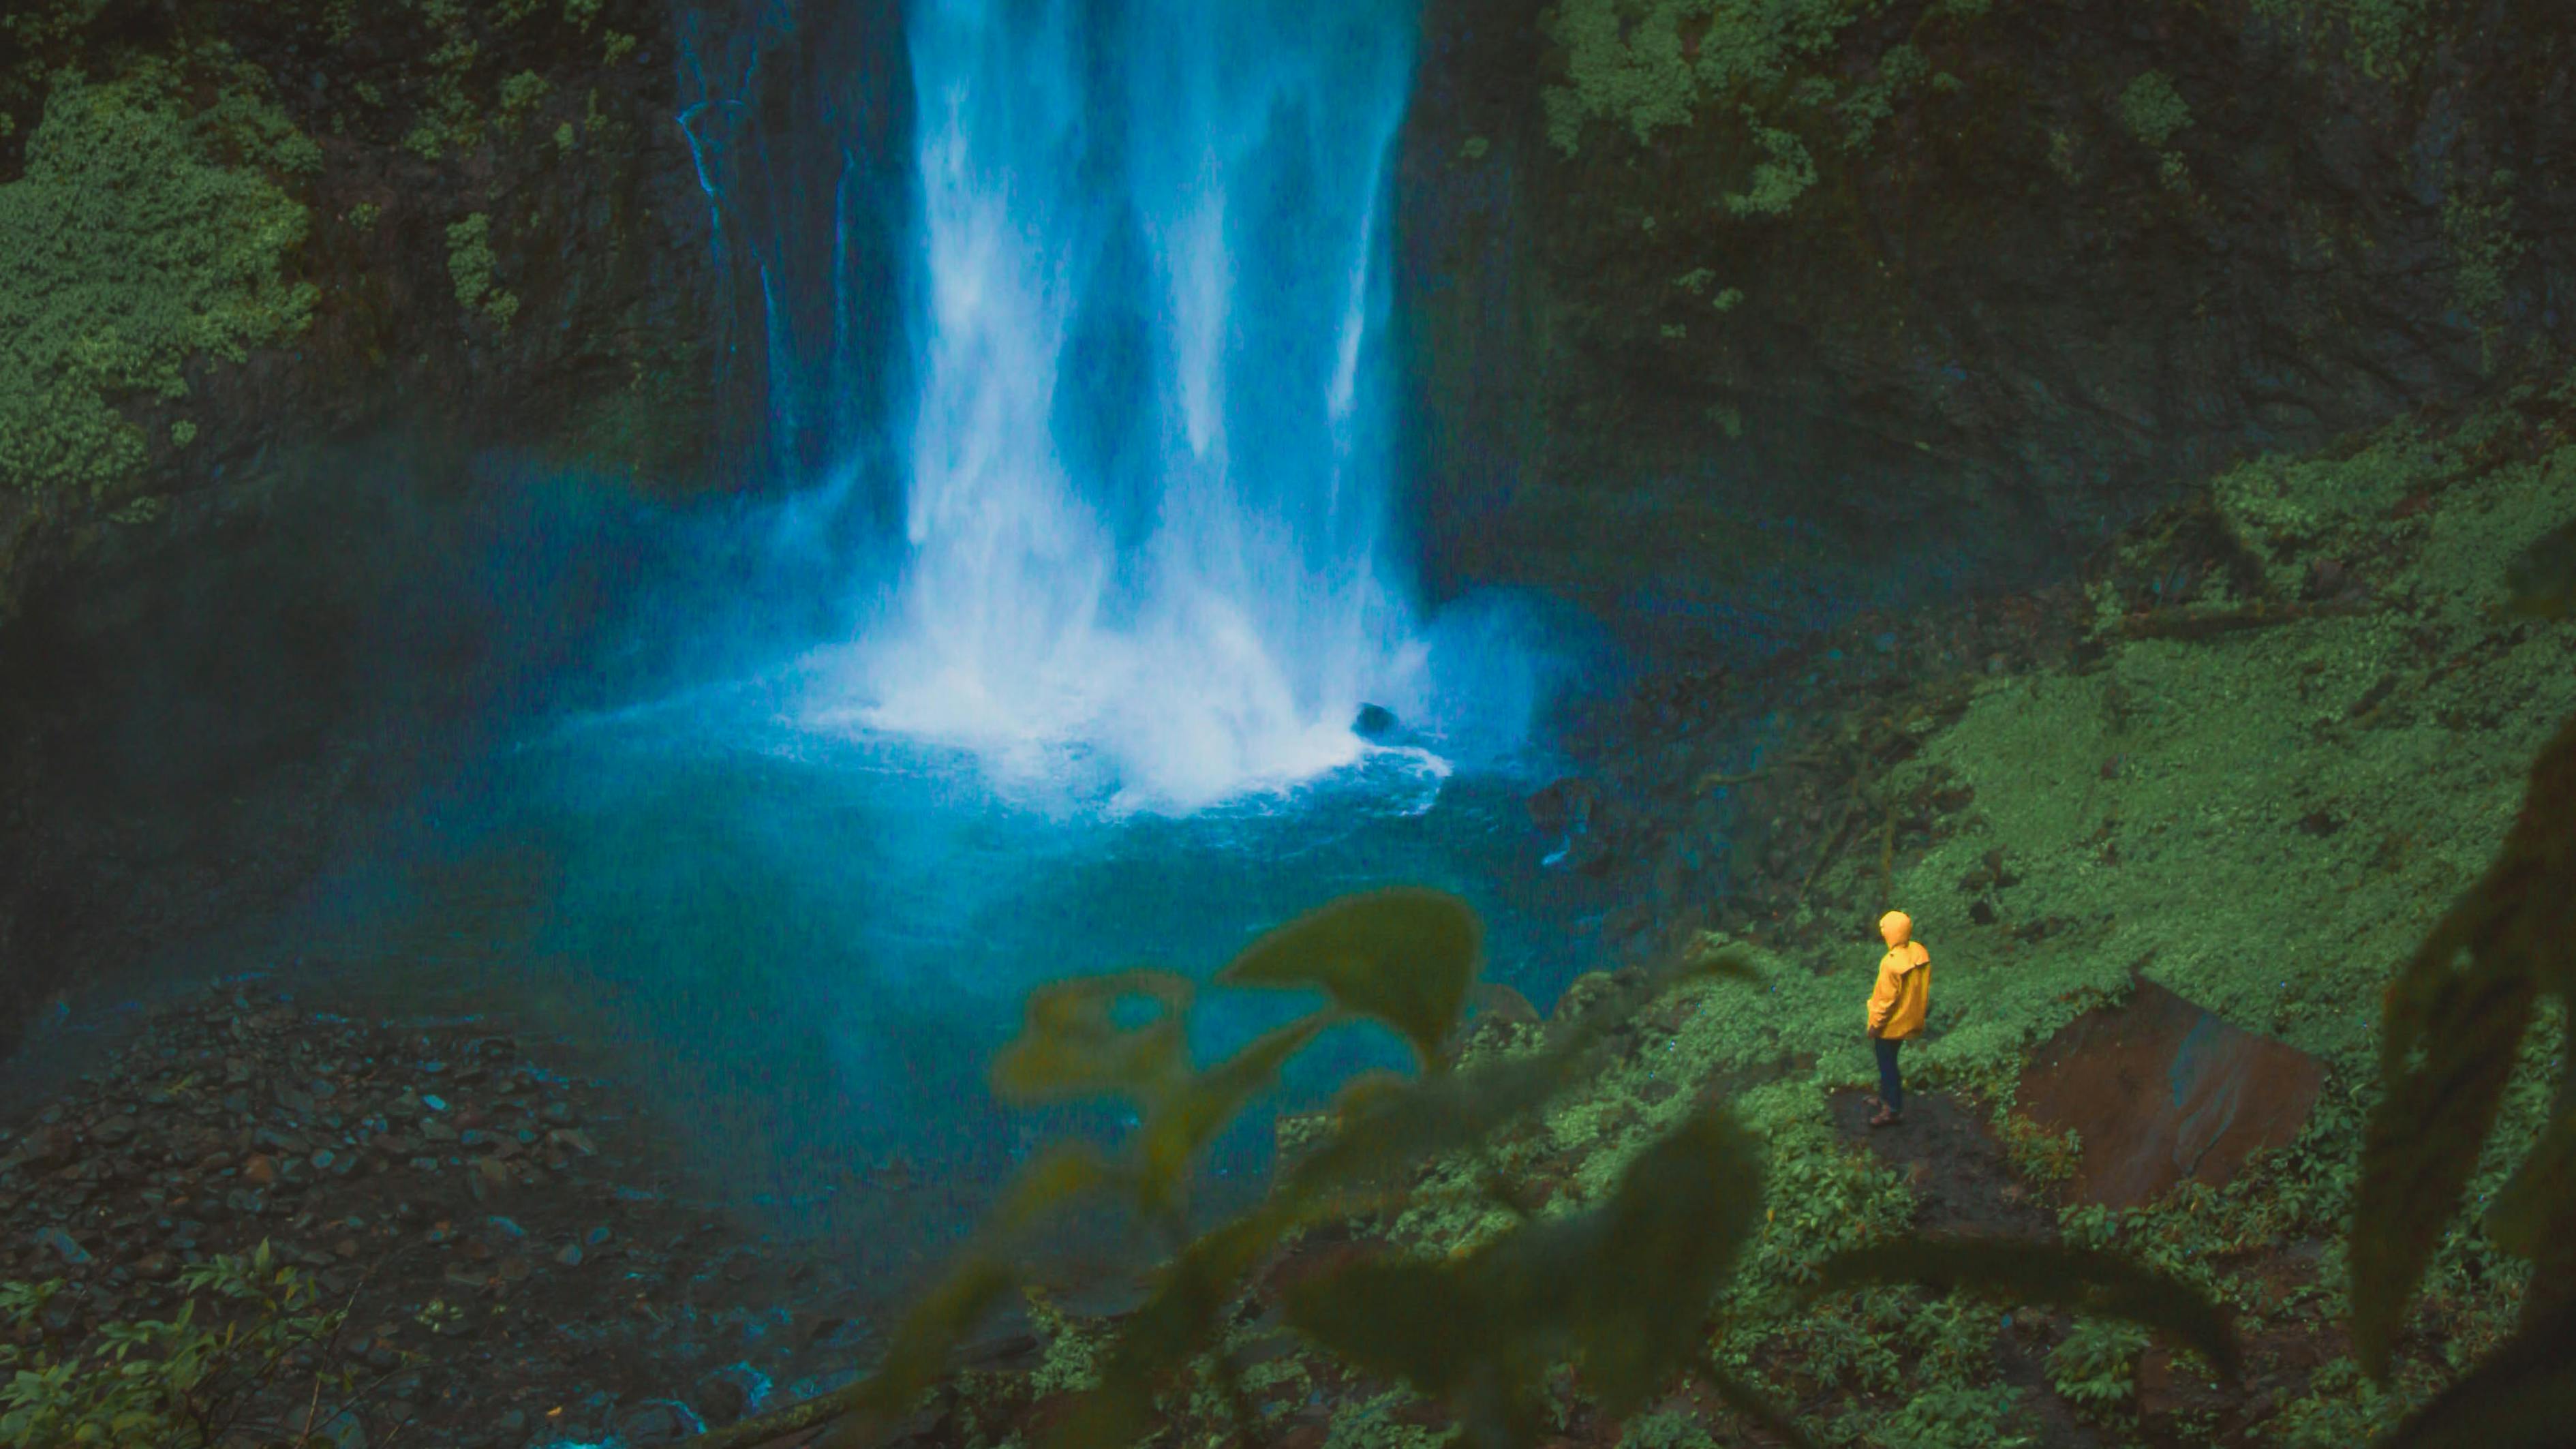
(657, 1422)
(1375, 722)
(113, 1131)
(2161, 1090)
(63, 1246)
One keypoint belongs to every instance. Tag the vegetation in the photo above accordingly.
(1489, 1180)
(184, 233)
(188, 1382)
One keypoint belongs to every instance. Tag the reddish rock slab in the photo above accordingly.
(2160, 1090)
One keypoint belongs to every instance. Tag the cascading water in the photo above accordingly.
(1149, 459)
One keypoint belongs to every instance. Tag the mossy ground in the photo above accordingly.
(2264, 820)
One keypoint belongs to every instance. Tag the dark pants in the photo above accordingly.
(1891, 1090)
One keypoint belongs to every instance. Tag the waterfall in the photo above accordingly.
(1148, 462)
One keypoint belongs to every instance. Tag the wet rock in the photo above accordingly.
(1375, 722)
(2161, 1090)
(113, 1131)
(657, 1422)
(62, 1246)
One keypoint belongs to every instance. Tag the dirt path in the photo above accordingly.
(1964, 1184)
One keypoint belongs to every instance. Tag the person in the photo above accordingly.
(1896, 1008)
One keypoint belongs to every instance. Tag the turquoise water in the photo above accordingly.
(803, 948)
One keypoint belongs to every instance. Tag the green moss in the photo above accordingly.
(2377, 35)
(1782, 175)
(2477, 225)
(520, 94)
(564, 137)
(182, 433)
(1373, 1425)
(469, 265)
(1071, 1361)
(182, 244)
(580, 13)
(1626, 61)
(363, 216)
(2152, 110)
(616, 47)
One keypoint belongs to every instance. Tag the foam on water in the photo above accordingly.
(1149, 460)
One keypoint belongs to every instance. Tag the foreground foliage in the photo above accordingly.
(188, 1382)
(1632, 1281)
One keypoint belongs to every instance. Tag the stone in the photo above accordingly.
(62, 1245)
(113, 1131)
(657, 1422)
(1375, 722)
(2160, 1090)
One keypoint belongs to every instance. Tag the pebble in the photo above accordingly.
(63, 1245)
(275, 1124)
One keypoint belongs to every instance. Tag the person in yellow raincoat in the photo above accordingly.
(1896, 1008)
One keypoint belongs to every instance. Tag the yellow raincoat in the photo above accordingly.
(1904, 992)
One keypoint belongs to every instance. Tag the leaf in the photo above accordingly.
(1652, 1259)
(1412, 1319)
(1184, 1121)
(2424, 1136)
(2086, 1279)
(1062, 1174)
(1182, 1318)
(2535, 1215)
(2434, 1115)
(2524, 1393)
(1388, 1129)
(1405, 957)
(1626, 1287)
(1073, 1045)
(1753, 1404)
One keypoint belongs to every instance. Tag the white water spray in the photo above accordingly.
(1149, 463)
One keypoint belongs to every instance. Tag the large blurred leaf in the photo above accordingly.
(1062, 1174)
(2447, 1046)
(1195, 1111)
(2522, 1396)
(1387, 1131)
(1181, 1319)
(2085, 1279)
(2535, 1215)
(1405, 957)
(1658, 1252)
(1750, 1402)
(1409, 1318)
(1074, 1045)
(1624, 1288)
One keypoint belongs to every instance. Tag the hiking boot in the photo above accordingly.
(1885, 1118)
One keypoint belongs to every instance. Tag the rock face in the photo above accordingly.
(1944, 284)
(463, 227)
(2161, 1090)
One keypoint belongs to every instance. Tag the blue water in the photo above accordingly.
(1090, 702)
(805, 948)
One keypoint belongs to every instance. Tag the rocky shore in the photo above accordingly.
(522, 1260)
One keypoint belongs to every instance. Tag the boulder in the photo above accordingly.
(2160, 1090)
